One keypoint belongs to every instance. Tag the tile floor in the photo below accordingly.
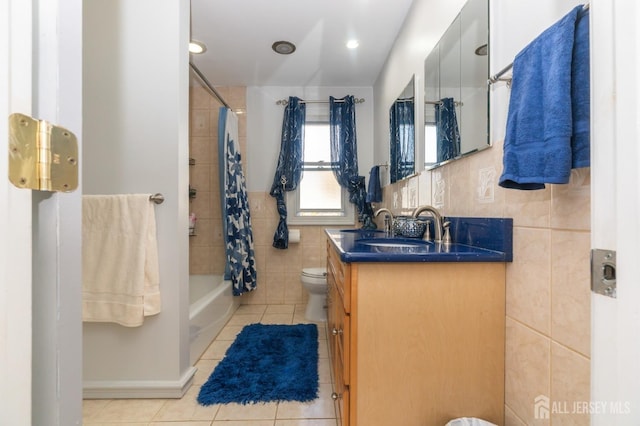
(187, 412)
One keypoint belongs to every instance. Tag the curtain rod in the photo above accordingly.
(456, 103)
(286, 101)
(498, 76)
(208, 85)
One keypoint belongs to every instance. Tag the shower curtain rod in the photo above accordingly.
(286, 101)
(457, 103)
(208, 85)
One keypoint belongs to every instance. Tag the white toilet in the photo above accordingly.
(315, 281)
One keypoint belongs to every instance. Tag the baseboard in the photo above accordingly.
(125, 389)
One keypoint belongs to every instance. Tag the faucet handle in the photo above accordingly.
(427, 231)
(446, 239)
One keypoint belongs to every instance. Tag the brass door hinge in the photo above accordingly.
(42, 156)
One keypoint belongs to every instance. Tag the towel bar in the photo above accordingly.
(498, 76)
(157, 198)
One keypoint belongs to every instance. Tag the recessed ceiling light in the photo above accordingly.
(352, 44)
(197, 47)
(283, 47)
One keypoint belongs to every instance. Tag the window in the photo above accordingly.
(319, 199)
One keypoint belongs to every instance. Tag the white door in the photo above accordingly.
(15, 221)
(615, 371)
(40, 324)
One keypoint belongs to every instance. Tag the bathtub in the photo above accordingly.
(211, 304)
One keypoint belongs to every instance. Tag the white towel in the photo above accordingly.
(119, 259)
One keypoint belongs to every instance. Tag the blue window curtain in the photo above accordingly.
(402, 136)
(447, 133)
(344, 156)
(236, 219)
(289, 169)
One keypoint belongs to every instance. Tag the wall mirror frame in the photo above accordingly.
(402, 134)
(456, 92)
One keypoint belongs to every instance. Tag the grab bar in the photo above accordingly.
(157, 198)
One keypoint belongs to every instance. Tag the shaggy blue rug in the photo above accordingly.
(266, 363)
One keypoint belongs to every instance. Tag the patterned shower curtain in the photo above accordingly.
(236, 220)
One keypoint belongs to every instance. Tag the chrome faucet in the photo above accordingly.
(388, 219)
(437, 222)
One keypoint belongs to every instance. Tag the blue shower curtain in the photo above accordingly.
(289, 169)
(447, 133)
(402, 136)
(344, 156)
(236, 220)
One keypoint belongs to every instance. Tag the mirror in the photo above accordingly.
(402, 134)
(456, 113)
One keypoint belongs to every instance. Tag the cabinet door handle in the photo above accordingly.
(335, 396)
(335, 331)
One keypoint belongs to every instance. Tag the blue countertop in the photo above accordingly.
(474, 240)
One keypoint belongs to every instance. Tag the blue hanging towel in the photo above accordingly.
(537, 146)
(580, 99)
(374, 191)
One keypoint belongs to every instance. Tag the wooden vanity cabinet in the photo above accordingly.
(416, 344)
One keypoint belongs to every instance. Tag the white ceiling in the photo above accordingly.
(239, 34)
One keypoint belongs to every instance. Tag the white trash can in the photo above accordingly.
(469, 421)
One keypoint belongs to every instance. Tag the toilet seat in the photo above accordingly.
(314, 272)
(314, 276)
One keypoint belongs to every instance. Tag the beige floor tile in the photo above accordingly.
(324, 370)
(129, 410)
(247, 412)
(243, 423)
(323, 349)
(299, 318)
(186, 423)
(229, 332)
(321, 408)
(90, 407)
(511, 419)
(217, 349)
(186, 408)
(205, 368)
(251, 309)
(322, 331)
(244, 319)
(280, 309)
(304, 422)
(277, 318)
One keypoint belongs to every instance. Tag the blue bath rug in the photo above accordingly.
(266, 363)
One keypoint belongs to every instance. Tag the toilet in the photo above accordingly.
(314, 280)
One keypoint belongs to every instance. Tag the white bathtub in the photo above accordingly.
(211, 304)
